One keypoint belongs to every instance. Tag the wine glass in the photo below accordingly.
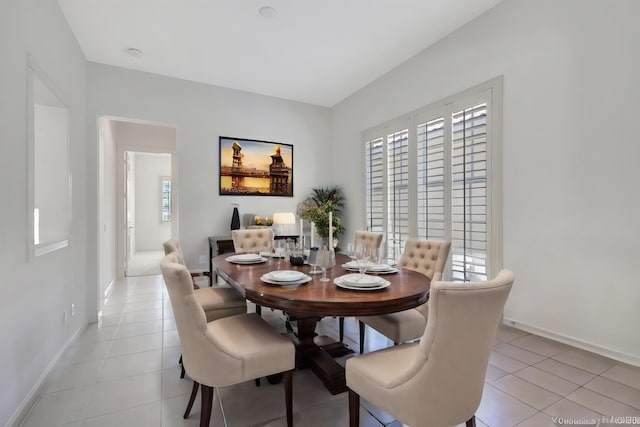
(363, 254)
(381, 255)
(280, 249)
(313, 261)
(269, 249)
(289, 249)
(351, 251)
(326, 259)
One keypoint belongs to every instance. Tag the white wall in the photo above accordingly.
(107, 214)
(201, 114)
(571, 202)
(34, 294)
(150, 231)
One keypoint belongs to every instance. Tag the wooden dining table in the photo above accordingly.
(309, 302)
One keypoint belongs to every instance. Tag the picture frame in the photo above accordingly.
(250, 167)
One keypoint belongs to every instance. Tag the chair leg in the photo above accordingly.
(361, 327)
(181, 367)
(288, 396)
(206, 396)
(257, 380)
(354, 409)
(341, 328)
(471, 422)
(194, 392)
(224, 417)
(287, 325)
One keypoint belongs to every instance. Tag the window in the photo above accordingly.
(436, 175)
(166, 199)
(49, 170)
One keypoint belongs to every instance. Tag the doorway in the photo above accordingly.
(121, 140)
(147, 210)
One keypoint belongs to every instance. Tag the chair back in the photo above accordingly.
(200, 355)
(173, 245)
(368, 238)
(252, 239)
(425, 256)
(446, 380)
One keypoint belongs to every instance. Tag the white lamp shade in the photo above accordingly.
(285, 218)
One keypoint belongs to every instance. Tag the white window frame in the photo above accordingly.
(489, 92)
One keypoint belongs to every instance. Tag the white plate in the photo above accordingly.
(257, 261)
(244, 258)
(354, 264)
(285, 275)
(361, 280)
(343, 285)
(266, 279)
(390, 270)
(379, 267)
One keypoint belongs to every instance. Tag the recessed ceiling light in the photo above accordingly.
(268, 11)
(136, 53)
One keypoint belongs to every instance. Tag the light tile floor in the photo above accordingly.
(123, 372)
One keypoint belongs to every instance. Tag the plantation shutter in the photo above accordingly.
(431, 182)
(397, 192)
(469, 193)
(435, 174)
(374, 177)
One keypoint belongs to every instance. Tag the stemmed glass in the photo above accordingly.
(313, 261)
(280, 250)
(326, 259)
(289, 249)
(351, 251)
(363, 254)
(381, 255)
(269, 249)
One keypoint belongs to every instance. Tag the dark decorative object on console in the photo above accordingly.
(235, 219)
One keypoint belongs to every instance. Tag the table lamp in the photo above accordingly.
(284, 218)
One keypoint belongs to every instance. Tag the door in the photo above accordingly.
(148, 220)
(129, 213)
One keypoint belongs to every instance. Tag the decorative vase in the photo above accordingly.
(235, 219)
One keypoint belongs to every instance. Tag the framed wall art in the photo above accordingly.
(250, 167)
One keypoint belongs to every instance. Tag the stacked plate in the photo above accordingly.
(285, 278)
(246, 259)
(371, 267)
(361, 282)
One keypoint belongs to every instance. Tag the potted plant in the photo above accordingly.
(316, 208)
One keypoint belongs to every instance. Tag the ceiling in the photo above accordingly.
(318, 52)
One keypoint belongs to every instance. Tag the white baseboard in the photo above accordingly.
(630, 359)
(30, 399)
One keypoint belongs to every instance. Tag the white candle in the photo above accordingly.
(300, 240)
(330, 230)
(312, 231)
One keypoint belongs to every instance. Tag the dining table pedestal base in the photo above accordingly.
(320, 358)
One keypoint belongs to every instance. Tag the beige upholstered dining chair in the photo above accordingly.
(173, 245)
(217, 302)
(439, 380)
(424, 256)
(226, 351)
(371, 239)
(252, 239)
